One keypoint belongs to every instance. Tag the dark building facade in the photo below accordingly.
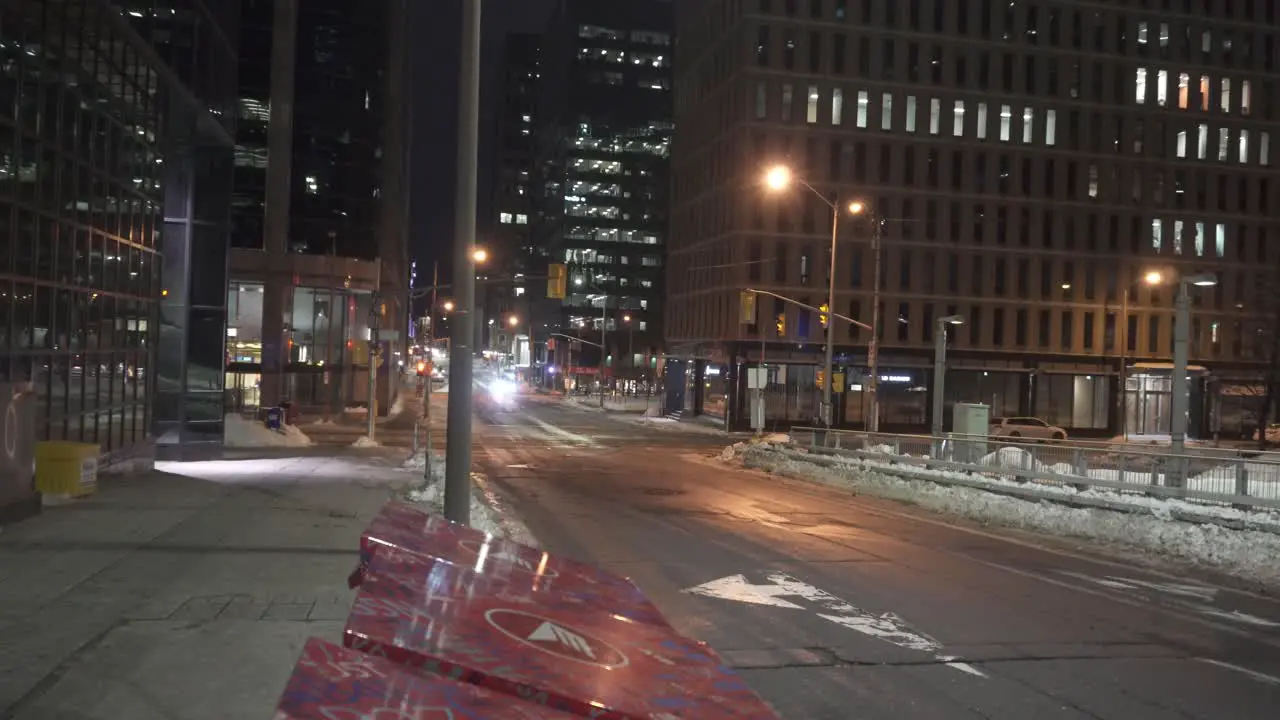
(506, 290)
(602, 177)
(115, 159)
(321, 207)
(1044, 169)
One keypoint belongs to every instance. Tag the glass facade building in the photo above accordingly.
(605, 152)
(114, 143)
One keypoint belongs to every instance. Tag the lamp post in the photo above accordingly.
(604, 328)
(631, 345)
(777, 179)
(940, 369)
(1181, 347)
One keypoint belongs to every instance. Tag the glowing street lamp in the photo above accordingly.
(479, 255)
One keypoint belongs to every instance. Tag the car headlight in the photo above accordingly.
(502, 390)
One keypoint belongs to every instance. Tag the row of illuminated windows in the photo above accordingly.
(36, 317)
(610, 235)
(589, 256)
(642, 37)
(1051, 279)
(952, 115)
(34, 245)
(985, 327)
(1030, 23)
(507, 218)
(618, 56)
(897, 164)
(1194, 96)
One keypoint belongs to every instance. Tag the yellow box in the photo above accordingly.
(66, 468)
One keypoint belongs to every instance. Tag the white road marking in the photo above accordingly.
(887, 627)
(1237, 616)
(1202, 593)
(736, 588)
(1261, 677)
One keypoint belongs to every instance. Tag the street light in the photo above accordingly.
(940, 368)
(777, 179)
(448, 306)
(631, 344)
(1181, 342)
(480, 255)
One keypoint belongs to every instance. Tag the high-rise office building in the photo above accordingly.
(508, 296)
(604, 148)
(1045, 170)
(321, 206)
(115, 174)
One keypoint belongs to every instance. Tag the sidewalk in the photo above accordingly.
(619, 403)
(189, 595)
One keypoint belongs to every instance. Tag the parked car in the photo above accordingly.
(1026, 427)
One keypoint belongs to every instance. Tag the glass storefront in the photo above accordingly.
(80, 199)
(1074, 402)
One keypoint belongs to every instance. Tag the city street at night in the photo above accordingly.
(836, 606)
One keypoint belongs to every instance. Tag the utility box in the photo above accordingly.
(18, 496)
(971, 425)
(66, 469)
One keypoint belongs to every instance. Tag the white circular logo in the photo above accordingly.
(556, 638)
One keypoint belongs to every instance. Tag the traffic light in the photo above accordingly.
(823, 317)
(557, 281)
(780, 324)
(747, 308)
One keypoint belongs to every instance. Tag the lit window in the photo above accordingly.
(313, 185)
(1264, 148)
(1177, 236)
(1246, 97)
(886, 112)
(957, 119)
(1028, 125)
(1157, 233)
(935, 116)
(1050, 127)
(1142, 33)
(1200, 239)
(1226, 95)
(837, 106)
(1206, 42)
(1202, 142)
(522, 219)
(863, 100)
(1204, 93)
(811, 110)
(1164, 34)
(1244, 146)
(1182, 144)
(1224, 142)
(982, 121)
(911, 113)
(1093, 181)
(1184, 90)
(1140, 87)
(1162, 87)
(1006, 120)
(1220, 240)
(505, 218)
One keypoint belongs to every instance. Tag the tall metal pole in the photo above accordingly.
(604, 328)
(457, 482)
(828, 380)
(873, 348)
(431, 366)
(1124, 361)
(375, 348)
(1181, 341)
(939, 375)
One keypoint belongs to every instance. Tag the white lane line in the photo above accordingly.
(1260, 677)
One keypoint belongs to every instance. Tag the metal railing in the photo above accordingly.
(1210, 475)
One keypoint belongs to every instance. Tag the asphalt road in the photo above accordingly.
(842, 607)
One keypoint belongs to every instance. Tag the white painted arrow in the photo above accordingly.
(887, 627)
(736, 588)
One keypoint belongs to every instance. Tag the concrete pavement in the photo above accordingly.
(839, 607)
(183, 594)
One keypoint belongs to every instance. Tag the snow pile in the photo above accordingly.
(488, 511)
(244, 433)
(399, 406)
(364, 441)
(737, 450)
(653, 412)
(1151, 525)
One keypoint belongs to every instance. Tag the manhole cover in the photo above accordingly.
(665, 492)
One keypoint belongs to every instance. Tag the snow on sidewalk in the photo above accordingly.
(1152, 528)
(242, 433)
(489, 513)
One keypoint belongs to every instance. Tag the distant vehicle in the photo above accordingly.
(1273, 433)
(1026, 427)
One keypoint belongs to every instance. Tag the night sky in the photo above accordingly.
(435, 76)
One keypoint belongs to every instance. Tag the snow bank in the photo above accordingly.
(364, 441)
(1148, 524)
(400, 405)
(488, 511)
(252, 434)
